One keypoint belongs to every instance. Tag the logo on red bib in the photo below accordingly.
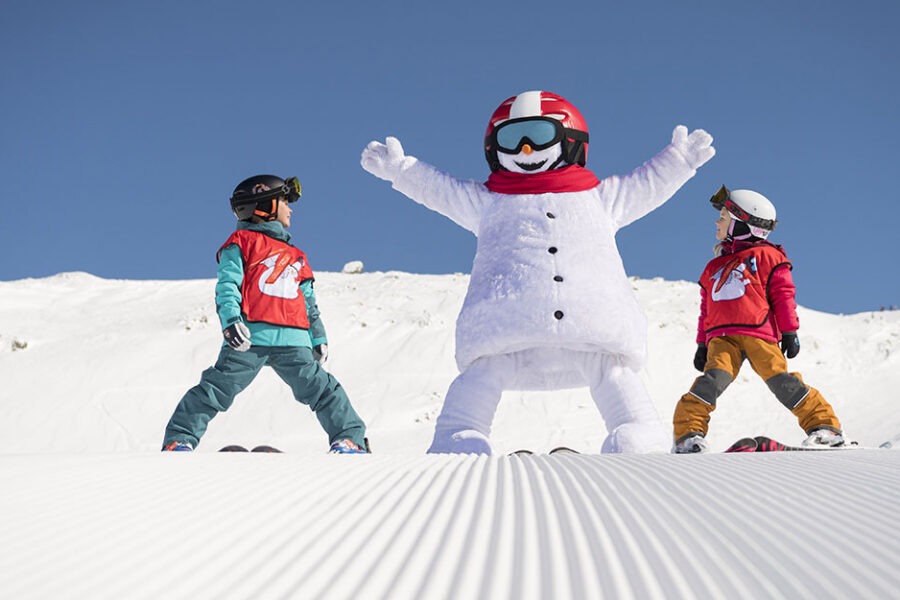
(730, 282)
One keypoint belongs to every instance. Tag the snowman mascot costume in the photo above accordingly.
(548, 305)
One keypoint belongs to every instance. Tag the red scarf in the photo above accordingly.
(573, 178)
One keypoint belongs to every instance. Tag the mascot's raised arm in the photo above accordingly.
(549, 305)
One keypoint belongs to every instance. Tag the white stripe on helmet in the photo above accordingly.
(526, 104)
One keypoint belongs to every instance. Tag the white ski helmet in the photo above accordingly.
(747, 207)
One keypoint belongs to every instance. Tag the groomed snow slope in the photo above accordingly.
(286, 526)
(91, 369)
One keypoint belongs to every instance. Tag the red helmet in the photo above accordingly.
(564, 124)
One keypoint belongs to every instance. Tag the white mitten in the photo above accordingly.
(387, 160)
(320, 353)
(696, 148)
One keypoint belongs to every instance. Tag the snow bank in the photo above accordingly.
(94, 365)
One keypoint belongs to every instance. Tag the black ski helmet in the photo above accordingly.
(258, 196)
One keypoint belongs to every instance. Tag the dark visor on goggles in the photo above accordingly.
(293, 189)
(718, 199)
(537, 132)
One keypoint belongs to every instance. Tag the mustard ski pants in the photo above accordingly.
(725, 355)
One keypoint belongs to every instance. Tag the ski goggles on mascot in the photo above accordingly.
(538, 132)
(722, 199)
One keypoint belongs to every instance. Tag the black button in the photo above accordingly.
(558, 314)
(551, 215)
(557, 278)
(552, 249)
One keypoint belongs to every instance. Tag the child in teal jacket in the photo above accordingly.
(267, 307)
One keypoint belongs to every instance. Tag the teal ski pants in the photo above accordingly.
(311, 384)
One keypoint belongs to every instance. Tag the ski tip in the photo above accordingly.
(747, 444)
(767, 444)
(763, 443)
(233, 448)
(563, 450)
(269, 449)
(560, 450)
(521, 453)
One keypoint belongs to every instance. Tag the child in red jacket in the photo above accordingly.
(747, 307)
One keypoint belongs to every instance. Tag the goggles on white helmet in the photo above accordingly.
(749, 207)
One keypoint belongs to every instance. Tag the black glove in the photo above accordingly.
(237, 336)
(700, 357)
(320, 353)
(790, 344)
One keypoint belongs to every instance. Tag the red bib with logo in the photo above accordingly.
(737, 287)
(273, 272)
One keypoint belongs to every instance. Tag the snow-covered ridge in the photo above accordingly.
(93, 365)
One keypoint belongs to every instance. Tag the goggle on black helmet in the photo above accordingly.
(258, 196)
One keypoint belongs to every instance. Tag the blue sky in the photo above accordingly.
(126, 125)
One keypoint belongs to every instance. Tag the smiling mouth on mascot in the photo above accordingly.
(529, 160)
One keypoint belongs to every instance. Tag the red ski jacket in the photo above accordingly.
(747, 290)
(273, 272)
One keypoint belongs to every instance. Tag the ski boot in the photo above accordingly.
(690, 444)
(178, 447)
(346, 447)
(824, 437)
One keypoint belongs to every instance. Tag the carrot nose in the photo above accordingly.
(527, 149)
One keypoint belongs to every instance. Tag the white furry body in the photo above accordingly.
(555, 334)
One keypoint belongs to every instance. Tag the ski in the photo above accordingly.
(236, 448)
(887, 445)
(563, 450)
(762, 443)
(747, 444)
(767, 444)
(268, 449)
(559, 450)
(233, 448)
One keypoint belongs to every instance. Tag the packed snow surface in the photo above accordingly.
(91, 369)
